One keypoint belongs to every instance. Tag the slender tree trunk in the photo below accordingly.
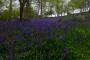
(89, 5)
(22, 4)
(10, 9)
(21, 11)
(57, 8)
(41, 8)
(26, 11)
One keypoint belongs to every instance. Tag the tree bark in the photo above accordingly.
(22, 4)
(41, 7)
(21, 12)
(10, 9)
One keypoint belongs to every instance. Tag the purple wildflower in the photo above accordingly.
(65, 54)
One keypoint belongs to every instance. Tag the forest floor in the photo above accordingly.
(45, 39)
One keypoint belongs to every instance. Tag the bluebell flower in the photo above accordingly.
(23, 48)
(62, 37)
(18, 37)
(65, 54)
(50, 30)
(2, 39)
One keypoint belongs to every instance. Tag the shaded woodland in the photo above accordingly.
(44, 29)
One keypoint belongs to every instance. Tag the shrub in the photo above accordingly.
(81, 18)
(48, 13)
(5, 15)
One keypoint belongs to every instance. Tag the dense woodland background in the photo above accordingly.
(41, 8)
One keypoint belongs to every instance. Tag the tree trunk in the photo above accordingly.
(41, 8)
(10, 9)
(21, 11)
(22, 4)
(27, 9)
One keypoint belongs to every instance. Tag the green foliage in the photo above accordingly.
(77, 3)
(48, 13)
(15, 14)
(78, 40)
(5, 15)
(81, 18)
(33, 14)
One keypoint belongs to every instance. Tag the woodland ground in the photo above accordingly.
(59, 38)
